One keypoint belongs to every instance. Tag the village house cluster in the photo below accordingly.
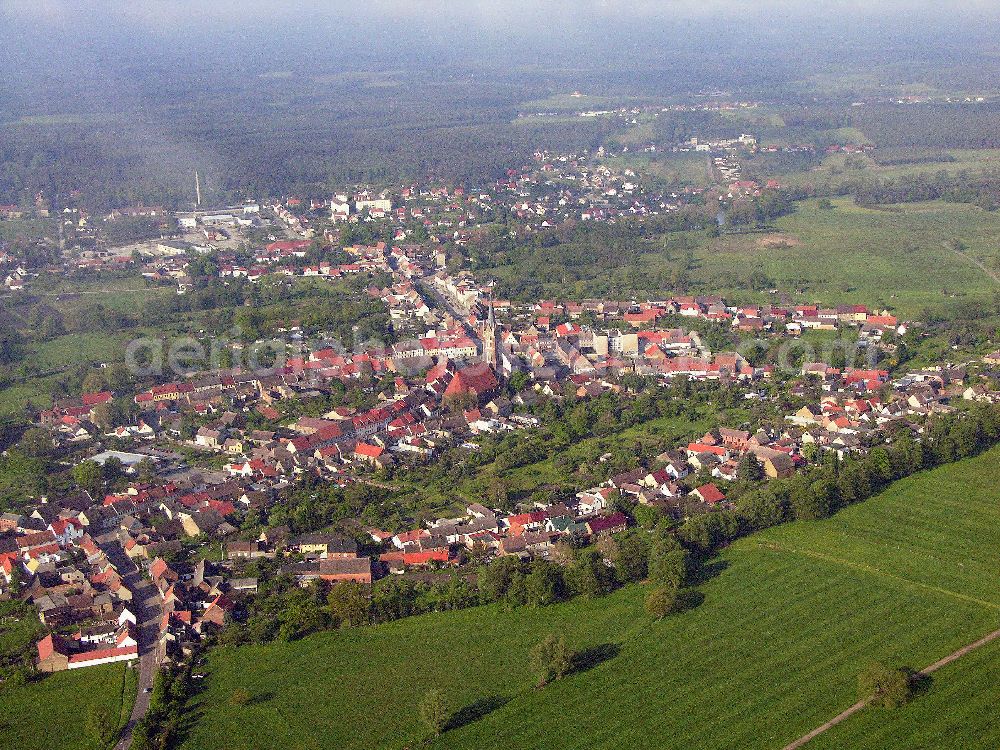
(201, 453)
(78, 557)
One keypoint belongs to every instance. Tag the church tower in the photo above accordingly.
(490, 338)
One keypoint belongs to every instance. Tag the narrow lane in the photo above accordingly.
(844, 715)
(148, 617)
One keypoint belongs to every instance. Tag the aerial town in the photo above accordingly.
(201, 454)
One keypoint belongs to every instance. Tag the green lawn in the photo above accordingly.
(52, 712)
(76, 348)
(856, 255)
(955, 714)
(791, 617)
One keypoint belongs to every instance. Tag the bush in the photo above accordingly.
(662, 601)
(434, 712)
(669, 566)
(887, 687)
(551, 659)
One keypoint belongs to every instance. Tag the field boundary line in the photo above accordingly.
(880, 572)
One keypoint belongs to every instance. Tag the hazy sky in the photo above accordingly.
(165, 16)
(67, 35)
(155, 12)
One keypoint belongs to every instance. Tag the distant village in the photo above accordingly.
(589, 186)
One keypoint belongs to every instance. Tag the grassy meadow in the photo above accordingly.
(836, 169)
(789, 618)
(37, 392)
(954, 714)
(683, 168)
(52, 712)
(894, 257)
(56, 355)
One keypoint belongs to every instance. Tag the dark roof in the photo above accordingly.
(345, 566)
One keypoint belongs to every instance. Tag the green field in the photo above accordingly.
(954, 714)
(682, 168)
(36, 391)
(79, 348)
(70, 295)
(893, 257)
(52, 712)
(786, 624)
(11, 229)
(850, 254)
(567, 102)
(55, 356)
(834, 169)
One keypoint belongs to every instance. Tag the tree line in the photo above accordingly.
(821, 490)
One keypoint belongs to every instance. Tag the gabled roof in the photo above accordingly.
(368, 451)
(709, 493)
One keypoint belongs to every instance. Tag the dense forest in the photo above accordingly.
(931, 125)
(299, 121)
(273, 136)
(980, 189)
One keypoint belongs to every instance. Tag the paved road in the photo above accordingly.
(148, 616)
(862, 703)
(458, 311)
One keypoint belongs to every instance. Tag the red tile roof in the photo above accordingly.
(709, 493)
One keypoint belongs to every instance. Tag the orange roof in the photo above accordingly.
(710, 493)
(369, 451)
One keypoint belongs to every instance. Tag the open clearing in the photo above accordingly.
(899, 251)
(788, 620)
(836, 169)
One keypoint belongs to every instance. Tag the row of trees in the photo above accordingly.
(285, 611)
(821, 490)
(980, 189)
(159, 729)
